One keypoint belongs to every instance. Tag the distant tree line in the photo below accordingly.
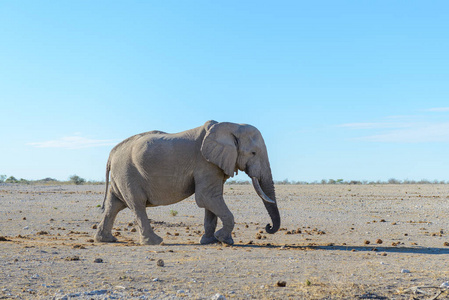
(364, 182)
(74, 179)
(342, 181)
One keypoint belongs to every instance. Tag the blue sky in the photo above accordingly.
(339, 89)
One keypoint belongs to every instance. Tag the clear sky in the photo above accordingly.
(339, 89)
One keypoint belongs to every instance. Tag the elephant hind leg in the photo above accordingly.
(113, 206)
(147, 235)
(210, 224)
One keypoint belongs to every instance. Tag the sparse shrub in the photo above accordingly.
(393, 181)
(24, 181)
(77, 180)
(11, 179)
(237, 182)
(47, 180)
(173, 212)
(424, 181)
(355, 182)
(2, 178)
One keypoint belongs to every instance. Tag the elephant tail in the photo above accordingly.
(108, 168)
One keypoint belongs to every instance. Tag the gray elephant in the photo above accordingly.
(156, 168)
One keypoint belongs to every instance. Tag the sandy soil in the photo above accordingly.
(336, 242)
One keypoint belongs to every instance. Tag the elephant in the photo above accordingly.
(157, 168)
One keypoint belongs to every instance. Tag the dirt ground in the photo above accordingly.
(335, 242)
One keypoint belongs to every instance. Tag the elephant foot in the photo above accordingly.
(208, 240)
(224, 238)
(153, 240)
(105, 238)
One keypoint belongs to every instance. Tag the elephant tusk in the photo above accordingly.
(260, 192)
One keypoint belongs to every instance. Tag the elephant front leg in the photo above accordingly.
(209, 194)
(221, 210)
(147, 235)
(210, 224)
(224, 234)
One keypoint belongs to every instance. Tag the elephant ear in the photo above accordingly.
(220, 147)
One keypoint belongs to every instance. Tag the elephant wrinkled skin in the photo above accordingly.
(156, 168)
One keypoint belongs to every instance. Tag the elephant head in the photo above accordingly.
(234, 147)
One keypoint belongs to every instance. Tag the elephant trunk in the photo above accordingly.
(265, 189)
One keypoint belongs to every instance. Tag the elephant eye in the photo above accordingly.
(253, 153)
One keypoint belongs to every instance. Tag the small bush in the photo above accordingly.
(24, 181)
(173, 212)
(12, 179)
(77, 180)
(393, 181)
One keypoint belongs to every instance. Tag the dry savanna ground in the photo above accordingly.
(336, 242)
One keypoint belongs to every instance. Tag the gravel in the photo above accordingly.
(47, 250)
